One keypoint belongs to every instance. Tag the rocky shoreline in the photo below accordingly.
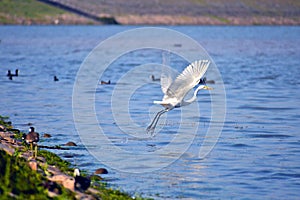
(54, 175)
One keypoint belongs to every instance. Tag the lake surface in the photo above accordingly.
(257, 155)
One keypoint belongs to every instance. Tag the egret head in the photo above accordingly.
(204, 87)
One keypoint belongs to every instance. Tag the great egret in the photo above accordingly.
(175, 91)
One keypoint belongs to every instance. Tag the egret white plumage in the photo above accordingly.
(175, 90)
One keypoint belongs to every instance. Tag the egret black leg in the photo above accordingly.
(151, 127)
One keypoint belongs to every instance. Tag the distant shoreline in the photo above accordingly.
(128, 15)
(158, 20)
(203, 20)
(173, 12)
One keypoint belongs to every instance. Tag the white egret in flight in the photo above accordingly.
(175, 90)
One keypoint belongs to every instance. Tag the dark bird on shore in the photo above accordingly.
(154, 79)
(32, 138)
(81, 183)
(105, 83)
(55, 78)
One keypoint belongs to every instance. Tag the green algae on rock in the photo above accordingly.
(27, 184)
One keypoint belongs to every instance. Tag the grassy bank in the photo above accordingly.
(34, 12)
(19, 180)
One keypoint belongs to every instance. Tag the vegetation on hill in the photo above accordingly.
(168, 12)
(18, 181)
(35, 12)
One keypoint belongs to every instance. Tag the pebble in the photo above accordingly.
(47, 135)
(71, 144)
(67, 181)
(33, 165)
(101, 171)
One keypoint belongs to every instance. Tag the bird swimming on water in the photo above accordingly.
(105, 82)
(10, 75)
(153, 78)
(205, 81)
(55, 78)
(175, 90)
(32, 138)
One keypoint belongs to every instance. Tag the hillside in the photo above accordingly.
(34, 12)
(193, 11)
(241, 12)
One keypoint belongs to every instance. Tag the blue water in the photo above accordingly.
(258, 151)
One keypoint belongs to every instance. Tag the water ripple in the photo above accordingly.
(257, 154)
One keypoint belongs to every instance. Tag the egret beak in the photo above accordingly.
(207, 88)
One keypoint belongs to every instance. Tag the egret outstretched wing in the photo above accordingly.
(168, 75)
(188, 79)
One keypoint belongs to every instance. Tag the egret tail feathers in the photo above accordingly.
(158, 102)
